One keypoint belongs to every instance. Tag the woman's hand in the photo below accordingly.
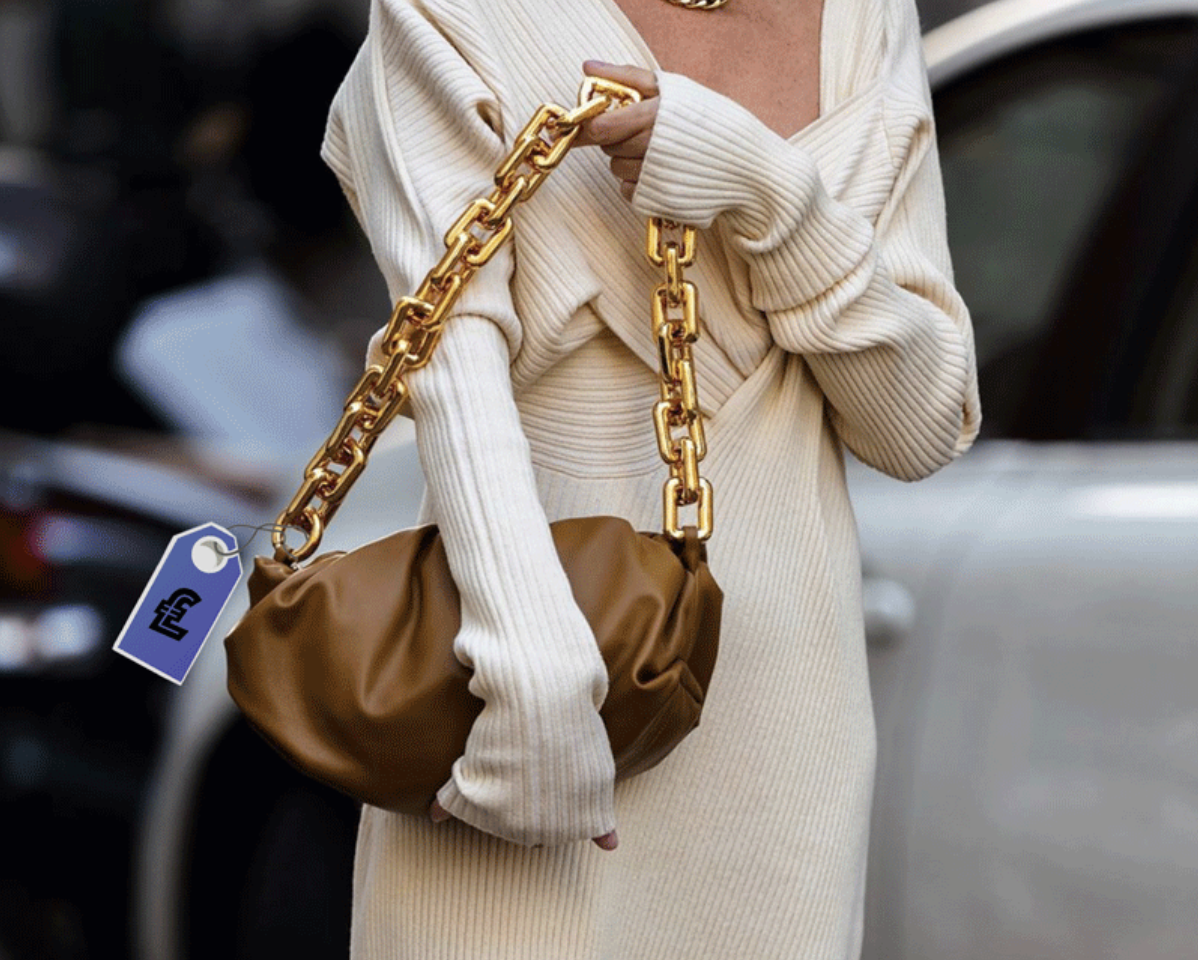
(623, 133)
(537, 767)
(438, 813)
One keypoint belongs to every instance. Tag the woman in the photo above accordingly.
(800, 141)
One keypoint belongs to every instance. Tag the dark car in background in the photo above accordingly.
(148, 260)
(81, 530)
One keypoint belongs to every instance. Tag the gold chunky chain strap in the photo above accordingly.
(679, 404)
(417, 322)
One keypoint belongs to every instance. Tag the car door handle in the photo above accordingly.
(889, 610)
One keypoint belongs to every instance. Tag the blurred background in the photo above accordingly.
(188, 299)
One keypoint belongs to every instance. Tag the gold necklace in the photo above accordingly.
(698, 4)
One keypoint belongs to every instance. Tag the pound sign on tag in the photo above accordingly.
(181, 603)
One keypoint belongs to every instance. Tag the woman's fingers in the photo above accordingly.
(626, 168)
(638, 78)
(620, 125)
(623, 133)
(634, 145)
(625, 129)
(628, 172)
(438, 814)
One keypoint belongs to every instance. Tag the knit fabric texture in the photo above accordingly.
(830, 321)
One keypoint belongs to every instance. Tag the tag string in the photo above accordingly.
(271, 527)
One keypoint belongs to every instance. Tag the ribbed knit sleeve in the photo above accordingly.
(862, 289)
(412, 136)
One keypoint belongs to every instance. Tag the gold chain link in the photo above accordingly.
(416, 324)
(678, 407)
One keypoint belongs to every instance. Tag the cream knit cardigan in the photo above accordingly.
(830, 318)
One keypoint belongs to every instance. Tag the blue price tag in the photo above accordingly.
(181, 603)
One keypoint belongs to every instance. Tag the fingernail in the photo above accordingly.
(596, 63)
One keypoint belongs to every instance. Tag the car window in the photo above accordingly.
(1161, 395)
(1032, 146)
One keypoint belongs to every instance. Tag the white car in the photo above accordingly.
(1031, 610)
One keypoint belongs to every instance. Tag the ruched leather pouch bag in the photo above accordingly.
(347, 665)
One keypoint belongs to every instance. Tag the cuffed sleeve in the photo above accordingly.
(414, 136)
(861, 286)
(538, 766)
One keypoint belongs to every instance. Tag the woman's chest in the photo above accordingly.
(764, 54)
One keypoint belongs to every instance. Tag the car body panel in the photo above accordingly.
(1053, 796)
(999, 28)
(1037, 773)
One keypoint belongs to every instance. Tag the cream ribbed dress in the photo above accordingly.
(830, 320)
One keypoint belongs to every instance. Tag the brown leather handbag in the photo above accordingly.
(346, 665)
